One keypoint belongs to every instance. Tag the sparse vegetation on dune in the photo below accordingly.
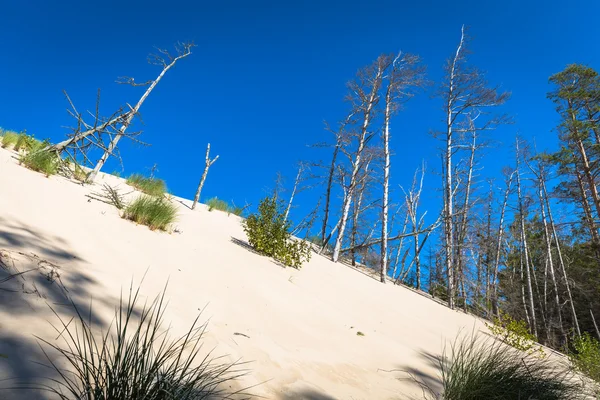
(9, 138)
(215, 203)
(154, 212)
(136, 359)
(269, 234)
(149, 185)
(27, 143)
(476, 369)
(45, 162)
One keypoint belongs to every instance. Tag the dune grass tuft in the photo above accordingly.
(45, 162)
(154, 212)
(9, 138)
(150, 186)
(221, 205)
(136, 359)
(487, 369)
(27, 143)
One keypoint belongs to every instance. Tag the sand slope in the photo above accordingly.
(301, 325)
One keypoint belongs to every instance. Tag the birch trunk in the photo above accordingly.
(560, 258)
(386, 182)
(448, 189)
(289, 206)
(207, 165)
(533, 324)
(356, 164)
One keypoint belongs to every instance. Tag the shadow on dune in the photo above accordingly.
(36, 277)
(306, 394)
(247, 246)
(426, 381)
(17, 235)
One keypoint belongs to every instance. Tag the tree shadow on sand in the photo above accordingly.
(429, 383)
(34, 285)
(305, 394)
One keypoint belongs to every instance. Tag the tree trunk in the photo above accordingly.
(128, 120)
(207, 164)
(289, 206)
(356, 165)
(533, 324)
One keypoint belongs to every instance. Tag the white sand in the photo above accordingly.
(302, 325)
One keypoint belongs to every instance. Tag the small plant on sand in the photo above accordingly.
(46, 162)
(154, 212)
(488, 369)
(215, 203)
(27, 143)
(136, 359)
(150, 186)
(269, 234)
(516, 334)
(9, 138)
(586, 356)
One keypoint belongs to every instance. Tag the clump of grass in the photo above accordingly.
(27, 143)
(79, 173)
(150, 186)
(136, 359)
(359, 333)
(154, 212)
(9, 138)
(46, 162)
(487, 369)
(217, 204)
(109, 195)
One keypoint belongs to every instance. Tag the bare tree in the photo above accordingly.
(464, 91)
(412, 199)
(207, 164)
(509, 179)
(525, 254)
(366, 95)
(405, 75)
(167, 61)
(301, 169)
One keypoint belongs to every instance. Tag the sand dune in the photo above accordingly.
(299, 327)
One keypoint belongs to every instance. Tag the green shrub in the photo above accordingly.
(9, 138)
(154, 212)
(150, 186)
(269, 234)
(79, 173)
(136, 359)
(586, 357)
(477, 369)
(46, 162)
(516, 334)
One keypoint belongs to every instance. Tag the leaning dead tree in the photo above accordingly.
(167, 61)
(88, 135)
(105, 133)
(208, 163)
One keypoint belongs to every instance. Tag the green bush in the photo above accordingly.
(586, 357)
(150, 186)
(154, 212)
(46, 162)
(477, 369)
(516, 334)
(215, 203)
(136, 359)
(269, 234)
(9, 138)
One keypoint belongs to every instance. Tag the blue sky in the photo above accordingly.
(265, 75)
